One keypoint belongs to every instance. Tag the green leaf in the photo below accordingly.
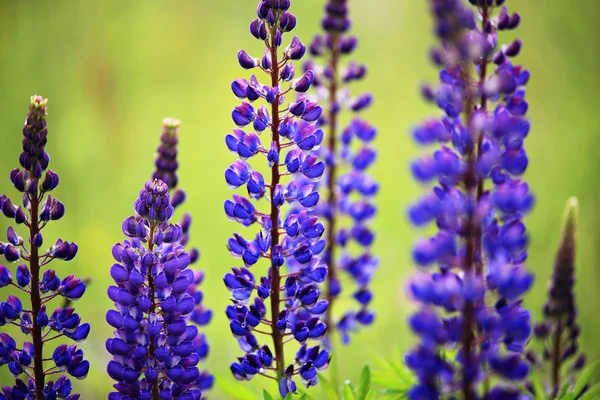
(234, 389)
(266, 395)
(365, 383)
(371, 395)
(584, 377)
(592, 393)
(393, 391)
(397, 370)
(330, 392)
(348, 392)
(538, 387)
(303, 397)
(563, 391)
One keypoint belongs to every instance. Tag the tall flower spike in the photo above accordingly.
(473, 299)
(285, 307)
(559, 331)
(166, 170)
(154, 350)
(348, 187)
(36, 282)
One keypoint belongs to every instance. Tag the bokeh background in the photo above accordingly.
(113, 69)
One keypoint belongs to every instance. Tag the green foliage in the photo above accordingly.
(393, 378)
(266, 395)
(235, 390)
(348, 391)
(567, 391)
(585, 377)
(364, 385)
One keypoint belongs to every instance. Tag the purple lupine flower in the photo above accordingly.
(284, 306)
(155, 350)
(40, 284)
(560, 331)
(473, 300)
(166, 170)
(349, 154)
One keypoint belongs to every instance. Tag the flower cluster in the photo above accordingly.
(348, 154)
(284, 305)
(155, 348)
(477, 204)
(166, 170)
(560, 331)
(32, 277)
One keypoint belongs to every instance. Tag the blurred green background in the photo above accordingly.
(113, 69)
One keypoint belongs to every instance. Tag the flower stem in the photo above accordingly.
(36, 302)
(556, 358)
(474, 188)
(331, 176)
(275, 178)
(155, 391)
(332, 197)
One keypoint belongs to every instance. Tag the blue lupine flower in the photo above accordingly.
(156, 349)
(473, 299)
(166, 170)
(37, 282)
(349, 153)
(276, 304)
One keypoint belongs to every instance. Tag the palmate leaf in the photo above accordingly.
(567, 391)
(392, 377)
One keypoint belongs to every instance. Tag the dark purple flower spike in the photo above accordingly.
(38, 283)
(349, 190)
(472, 301)
(286, 307)
(560, 331)
(166, 170)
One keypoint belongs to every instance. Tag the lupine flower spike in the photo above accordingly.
(349, 154)
(282, 306)
(560, 331)
(155, 354)
(166, 170)
(472, 301)
(37, 358)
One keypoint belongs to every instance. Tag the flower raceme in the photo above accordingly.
(349, 154)
(477, 203)
(166, 170)
(285, 306)
(36, 281)
(155, 349)
(559, 332)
